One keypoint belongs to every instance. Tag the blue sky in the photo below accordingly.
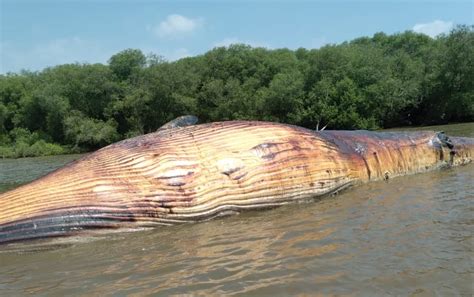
(37, 34)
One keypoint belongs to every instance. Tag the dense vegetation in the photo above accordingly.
(367, 83)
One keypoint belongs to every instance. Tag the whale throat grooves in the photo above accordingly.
(188, 173)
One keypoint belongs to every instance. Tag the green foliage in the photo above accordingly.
(3, 117)
(22, 143)
(368, 83)
(89, 133)
(127, 62)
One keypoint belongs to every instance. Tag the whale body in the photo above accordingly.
(188, 173)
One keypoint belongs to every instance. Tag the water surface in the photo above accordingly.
(410, 236)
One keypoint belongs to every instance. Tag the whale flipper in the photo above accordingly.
(182, 121)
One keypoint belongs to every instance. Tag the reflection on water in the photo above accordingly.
(410, 236)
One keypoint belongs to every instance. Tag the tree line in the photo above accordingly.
(367, 83)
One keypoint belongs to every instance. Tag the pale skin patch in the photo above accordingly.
(175, 177)
(103, 188)
(228, 166)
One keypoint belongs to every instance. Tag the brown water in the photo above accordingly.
(410, 236)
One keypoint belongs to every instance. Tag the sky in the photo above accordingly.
(35, 34)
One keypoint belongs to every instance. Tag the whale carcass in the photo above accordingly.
(187, 173)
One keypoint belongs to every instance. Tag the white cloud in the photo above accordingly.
(434, 28)
(177, 24)
(233, 40)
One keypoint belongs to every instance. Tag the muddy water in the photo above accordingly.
(410, 236)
